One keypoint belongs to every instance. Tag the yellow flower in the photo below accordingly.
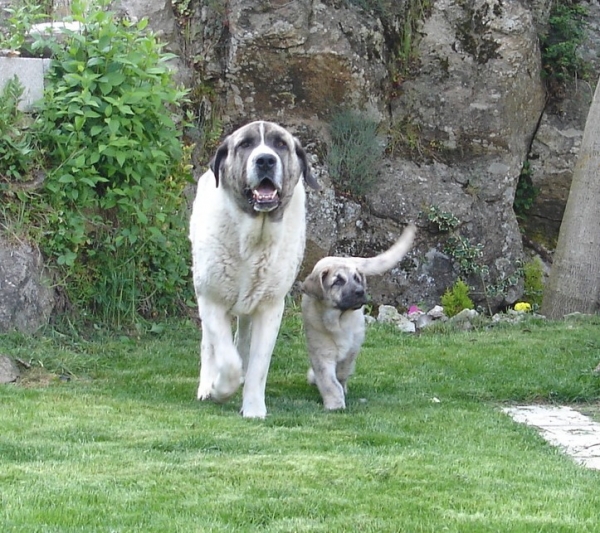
(523, 306)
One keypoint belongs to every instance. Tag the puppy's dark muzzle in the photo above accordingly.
(354, 299)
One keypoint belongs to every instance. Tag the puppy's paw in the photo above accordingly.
(334, 404)
(310, 377)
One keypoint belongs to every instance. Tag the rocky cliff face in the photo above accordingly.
(460, 104)
(458, 122)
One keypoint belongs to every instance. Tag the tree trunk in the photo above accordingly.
(61, 9)
(574, 283)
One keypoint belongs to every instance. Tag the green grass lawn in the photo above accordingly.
(123, 446)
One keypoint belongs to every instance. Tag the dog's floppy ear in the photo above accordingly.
(310, 180)
(313, 284)
(217, 160)
(363, 279)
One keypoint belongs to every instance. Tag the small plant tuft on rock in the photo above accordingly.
(533, 282)
(456, 299)
(355, 152)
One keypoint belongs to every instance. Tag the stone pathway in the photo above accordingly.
(578, 435)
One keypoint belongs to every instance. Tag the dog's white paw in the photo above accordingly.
(227, 383)
(203, 392)
(310, 377)
(254, 410)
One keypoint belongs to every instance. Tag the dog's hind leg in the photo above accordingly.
(265, 326)
(332, 391)
(344, 369)
(243, 337)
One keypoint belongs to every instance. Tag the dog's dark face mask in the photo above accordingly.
(350, 291)
(343, 288)
(261, 164)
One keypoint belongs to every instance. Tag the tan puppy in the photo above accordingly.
(334, 323)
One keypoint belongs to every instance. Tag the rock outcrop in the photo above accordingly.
(459, 116)
(26, 295)
(458, 126)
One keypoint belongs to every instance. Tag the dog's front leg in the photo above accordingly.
(220, 363)
(265, 326)
(208, 366)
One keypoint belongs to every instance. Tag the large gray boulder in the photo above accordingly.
(471, 110)
(26, 295)
(9, 371)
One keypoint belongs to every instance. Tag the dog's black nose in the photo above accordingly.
(265, 161)
(359, 291)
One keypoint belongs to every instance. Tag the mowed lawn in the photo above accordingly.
(104, 435)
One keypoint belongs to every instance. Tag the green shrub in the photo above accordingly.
(18, 21)
(18, 154)
(112, 207)
(456, 299)
(355, 152)
(533, 282)
(560, 42)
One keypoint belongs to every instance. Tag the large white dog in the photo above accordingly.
(248, 235)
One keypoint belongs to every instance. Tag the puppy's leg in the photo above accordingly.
(265, 326)
(345, 368)
(330, 388)
(223, 372)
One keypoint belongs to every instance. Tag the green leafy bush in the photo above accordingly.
(456, 299)
(18, 154)
(112, 205)
(18, 21)
(355, 152)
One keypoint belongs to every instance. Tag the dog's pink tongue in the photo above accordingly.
(265, 193)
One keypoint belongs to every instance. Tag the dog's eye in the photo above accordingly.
(357, 278)
(245, 143)
(280, 143)
(338, 281)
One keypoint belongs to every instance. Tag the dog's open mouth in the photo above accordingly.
(265, 197)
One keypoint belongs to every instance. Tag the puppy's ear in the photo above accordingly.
(363, 280)
(313, 284)
(306, 173)
(217, 160)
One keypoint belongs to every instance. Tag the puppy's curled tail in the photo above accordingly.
(381, 263)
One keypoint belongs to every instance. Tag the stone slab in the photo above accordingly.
(577, 434)
(30, 72)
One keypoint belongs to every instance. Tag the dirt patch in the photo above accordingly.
(37, 377)
(589, 409)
